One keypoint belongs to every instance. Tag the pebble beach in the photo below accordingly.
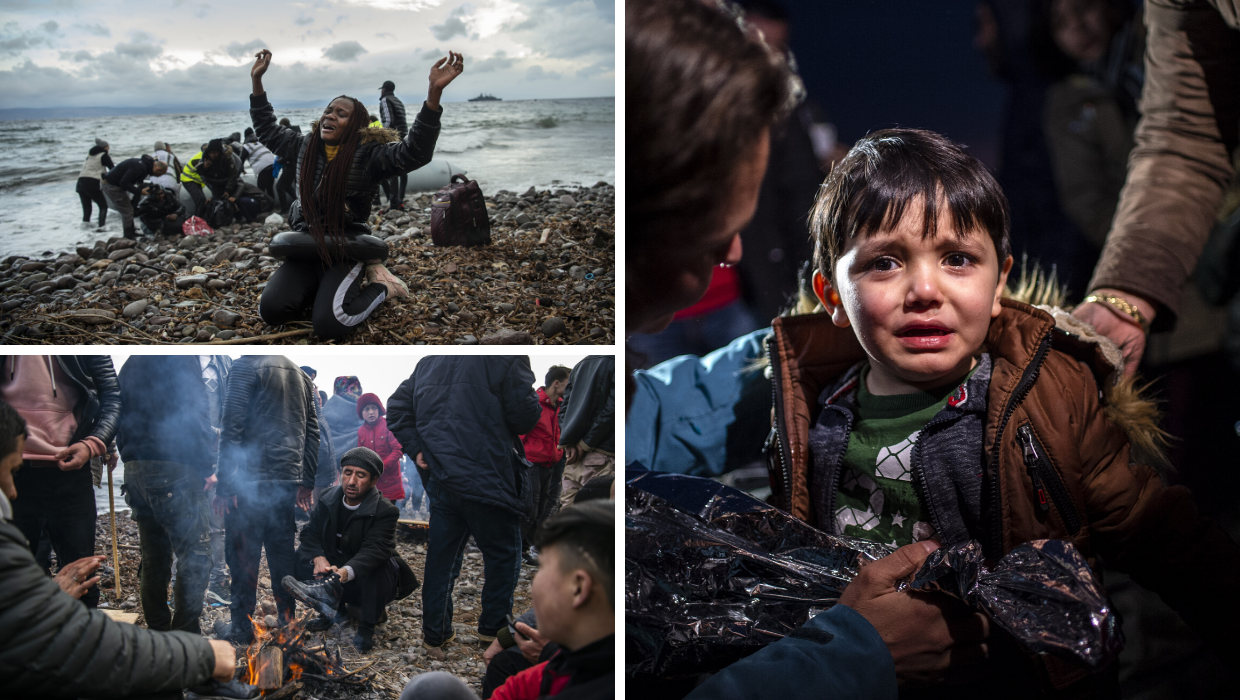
(548, 277)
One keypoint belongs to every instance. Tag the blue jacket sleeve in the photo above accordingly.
(838, 654)
(682, 408)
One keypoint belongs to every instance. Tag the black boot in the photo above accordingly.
(321, 594)
(320, 623)
(364, 640)
(131, 234)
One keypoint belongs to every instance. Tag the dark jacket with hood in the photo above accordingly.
(153, 211)
(99, 397)
(129, 174)
(165, 413)
(588, 410)
(270, 432)
(53, 646)
(464, 413)
(369, 533)
(1040, 446)
(380, 155)
(340, 412)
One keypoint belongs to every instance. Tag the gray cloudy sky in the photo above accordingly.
(60, 53)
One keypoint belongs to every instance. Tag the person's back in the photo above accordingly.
(165, 413)
(269, 431)
(947, 412)
(467, 412)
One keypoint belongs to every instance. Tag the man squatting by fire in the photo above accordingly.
(349, 549)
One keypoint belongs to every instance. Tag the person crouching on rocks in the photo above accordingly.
(340, 165)
(348, 552)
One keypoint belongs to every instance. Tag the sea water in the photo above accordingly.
(503, 145)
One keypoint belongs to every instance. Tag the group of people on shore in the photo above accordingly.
(219, 456)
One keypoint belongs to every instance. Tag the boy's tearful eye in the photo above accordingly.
(958, 260)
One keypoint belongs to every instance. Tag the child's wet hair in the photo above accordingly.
(871, 188)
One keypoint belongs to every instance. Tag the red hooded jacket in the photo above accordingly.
(378, 438)
(542, 443)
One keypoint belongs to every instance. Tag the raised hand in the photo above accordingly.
(262, 61)
(444, 72)
(446, 69)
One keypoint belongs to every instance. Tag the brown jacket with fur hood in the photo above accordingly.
(1045, 375)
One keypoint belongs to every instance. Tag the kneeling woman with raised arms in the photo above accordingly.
(340, 165)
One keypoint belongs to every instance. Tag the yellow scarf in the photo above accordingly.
(331, 152)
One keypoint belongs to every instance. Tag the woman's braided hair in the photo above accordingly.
(324, 206)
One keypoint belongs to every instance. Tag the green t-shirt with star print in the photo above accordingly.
(877, 499)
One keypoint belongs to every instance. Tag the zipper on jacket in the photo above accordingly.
(781, 459)
(994, 547)
(1046, 479)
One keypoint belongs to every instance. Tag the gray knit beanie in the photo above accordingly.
(101, 143)
(365, 458)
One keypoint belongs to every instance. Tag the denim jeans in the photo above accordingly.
(263, 518)
(63, 503)
(170, 507)
(497, 533)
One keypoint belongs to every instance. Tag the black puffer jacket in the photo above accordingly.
(98, 408)
(588, 411)
(464, 413)
(270, 432)
(380, 155)
(165, 414)
(369, 533)
(53, 646)
(392, 112)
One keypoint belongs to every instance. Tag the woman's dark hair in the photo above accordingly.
(585, 536)
(323, 203)
(884, 172)
(12, 425)
(700, 91)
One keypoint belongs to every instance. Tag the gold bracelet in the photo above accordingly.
(1121, 305)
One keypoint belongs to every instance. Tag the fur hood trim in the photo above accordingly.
(370, 134)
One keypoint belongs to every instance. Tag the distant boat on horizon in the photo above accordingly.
(483, 97)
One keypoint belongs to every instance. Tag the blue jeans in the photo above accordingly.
(695, 336)
(497, 533)
(170, 508)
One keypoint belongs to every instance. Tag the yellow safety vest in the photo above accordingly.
(376, 124)
(189, 173)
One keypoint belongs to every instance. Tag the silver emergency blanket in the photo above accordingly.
(713, 574)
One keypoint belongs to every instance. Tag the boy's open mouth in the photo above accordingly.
(924, 337)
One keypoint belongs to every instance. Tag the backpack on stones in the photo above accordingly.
(459, 214)
(219, 213)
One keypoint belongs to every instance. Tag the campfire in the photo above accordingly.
(280, 658)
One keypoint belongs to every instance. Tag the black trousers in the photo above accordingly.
(370, 591)
(63, 503)
(335, 295)
(96, 198)
(260, 520)
(266, 182)
(286, 187)
(394, 189)
(546, 499)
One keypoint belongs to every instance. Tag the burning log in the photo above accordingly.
(270, 670)
(287, 691)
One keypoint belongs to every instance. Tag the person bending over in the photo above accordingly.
(574, 601)
(349, 549)
(340, 165)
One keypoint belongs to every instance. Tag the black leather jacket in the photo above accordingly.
(588, 411)
(270, 432)
(98, 409)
